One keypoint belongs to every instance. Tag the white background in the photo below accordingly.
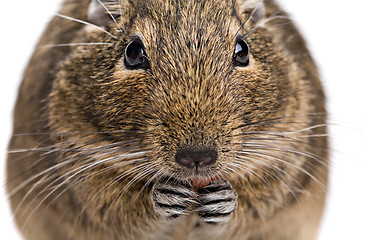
(335, 34)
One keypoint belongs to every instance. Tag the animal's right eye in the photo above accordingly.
(135, 56)
(241, 54)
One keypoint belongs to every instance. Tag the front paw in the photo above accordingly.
(217, 202)
(172, 199)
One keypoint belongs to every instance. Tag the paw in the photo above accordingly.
(217, 202)
(171, 199)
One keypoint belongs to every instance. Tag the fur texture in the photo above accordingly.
(93, 150)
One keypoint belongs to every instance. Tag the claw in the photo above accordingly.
(217, 202)
(172, 200)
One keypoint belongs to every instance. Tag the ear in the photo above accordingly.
(100, 12)
(253, 9)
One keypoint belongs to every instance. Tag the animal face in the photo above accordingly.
(182, 84)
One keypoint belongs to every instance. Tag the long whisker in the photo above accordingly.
(137, 176)
(265, 21)
(243, 25)
(291, 132)
(110, 14)
(125, 174)
(74, 44)
(65, 162)
(121, 14)
(34, 177)
(288, 164)
(85, 166)
(157, 175)
(89, 176)
(78, 149)
(82, 169)
(107, 186)
(277, 169)
(108, 149)
(114, 181)
(263, 147)
(74, 133)
(268, 165)
(86, 23)
(279, 120)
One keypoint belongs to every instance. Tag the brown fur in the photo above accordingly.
(80, 105)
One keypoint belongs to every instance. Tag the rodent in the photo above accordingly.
(171, 119)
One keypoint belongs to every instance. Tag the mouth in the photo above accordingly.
(200, 182)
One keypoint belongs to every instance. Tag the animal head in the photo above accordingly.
(171, 88)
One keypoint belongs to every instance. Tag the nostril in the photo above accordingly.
(184, 159)
(191, 158)
(206, 158)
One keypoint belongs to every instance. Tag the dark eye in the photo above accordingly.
(241, 54)
(135, 56)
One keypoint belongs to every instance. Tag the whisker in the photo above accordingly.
(34, 177)
(297, 131)
(243, 25)
(121, 14)
(110, 14)
(157, 175)
(78, 171)
(278, 120)
(75, 133)
(274, 177)
(108, 149)
(264, 147)
(243, 166)
(117, 179)
(83, 179)
(86, 23)
(270, 166)
(74, 44)
(288, 164)
(281, 139)
(232, 167)
(80, 148)
(265, 21)
(138, 176)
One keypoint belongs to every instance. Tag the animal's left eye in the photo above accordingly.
(241, 54)
(135, 56)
